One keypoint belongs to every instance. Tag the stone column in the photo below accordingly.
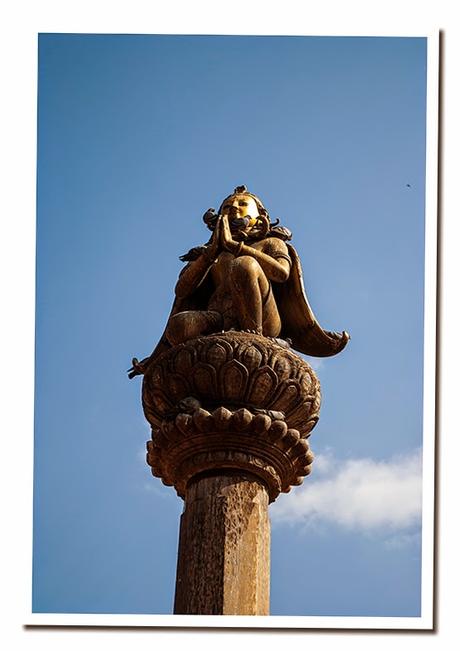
(230, 416)
(223, 563)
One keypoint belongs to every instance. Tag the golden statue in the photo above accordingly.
(247, 278)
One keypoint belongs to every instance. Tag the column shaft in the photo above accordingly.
(224, 547)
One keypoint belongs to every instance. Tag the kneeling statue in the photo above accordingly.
(247, 277)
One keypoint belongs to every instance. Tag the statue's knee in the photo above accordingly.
(182, 327)
(190, 324)
(175, 330)
(245, 265)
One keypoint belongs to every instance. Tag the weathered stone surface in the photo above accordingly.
(224, 548)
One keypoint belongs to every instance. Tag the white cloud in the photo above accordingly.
(357, 494)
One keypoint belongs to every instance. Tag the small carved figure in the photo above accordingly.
(247, 277)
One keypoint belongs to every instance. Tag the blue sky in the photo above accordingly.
(137, 137)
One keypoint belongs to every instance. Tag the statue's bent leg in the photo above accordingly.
(252, 296)
(190, 324)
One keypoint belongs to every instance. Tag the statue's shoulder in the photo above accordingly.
(272, 240)
(274, 245)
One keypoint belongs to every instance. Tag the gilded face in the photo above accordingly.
(242, 206)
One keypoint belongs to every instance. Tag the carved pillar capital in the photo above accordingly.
(231, 402)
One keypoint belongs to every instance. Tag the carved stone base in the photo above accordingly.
(234, 401)
(233, 370)
(223, 440)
